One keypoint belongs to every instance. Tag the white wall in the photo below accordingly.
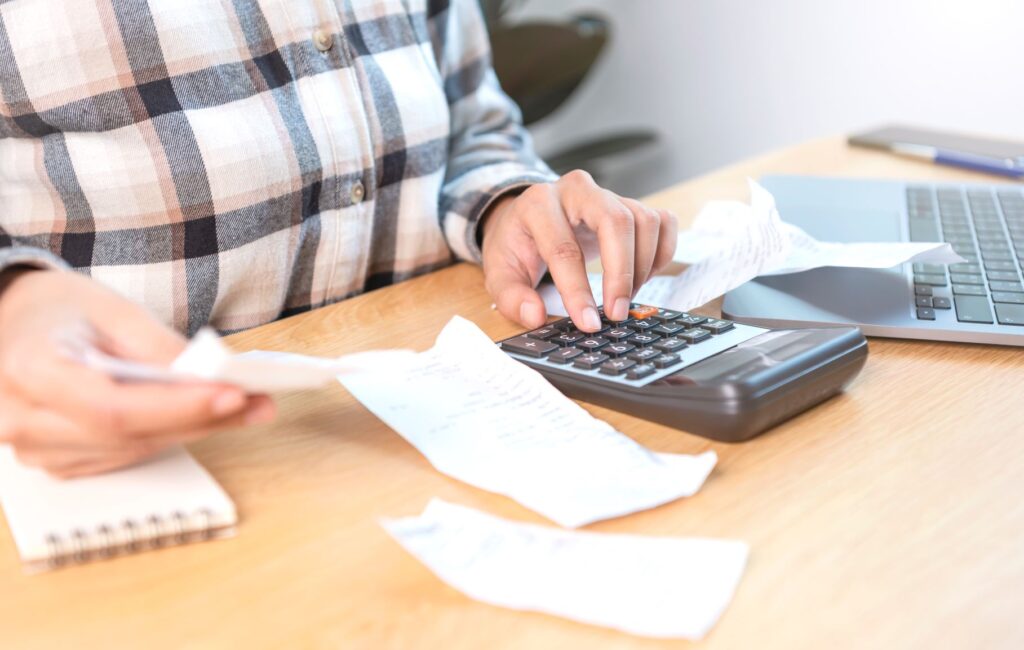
(722, 80)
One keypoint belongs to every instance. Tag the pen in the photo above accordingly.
(1001, 166)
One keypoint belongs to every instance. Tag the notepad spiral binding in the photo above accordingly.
(130, 536)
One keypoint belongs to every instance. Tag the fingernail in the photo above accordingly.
(621, 309)
(591, 320)
(261, 414)
(228, 402)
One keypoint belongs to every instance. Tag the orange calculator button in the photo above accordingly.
(641, 312)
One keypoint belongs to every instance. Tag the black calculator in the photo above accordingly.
(716, 378)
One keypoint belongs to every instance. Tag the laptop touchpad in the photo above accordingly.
(842, 224)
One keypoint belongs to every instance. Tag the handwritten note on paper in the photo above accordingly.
(649, 586)
(485, 419)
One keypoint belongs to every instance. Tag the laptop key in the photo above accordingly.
(924, 230)
(1002, 296)
(921, 267)
(963, 267)
(922, 290)
(924, 313)
(923, 301)
(1013, 287)
(1010, 314)
(934, 279)
(993, 265)
(528, 347)
(972, 309)
(969, 290)
(966, 278)
(1002, 276)
(939, 302)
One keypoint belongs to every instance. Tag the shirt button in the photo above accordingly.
(358, 192)
(322, 40)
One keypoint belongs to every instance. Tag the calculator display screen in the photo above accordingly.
(749, 358)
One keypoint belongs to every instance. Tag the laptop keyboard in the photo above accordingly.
(985, 226)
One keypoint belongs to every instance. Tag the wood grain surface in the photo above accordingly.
(890, 517)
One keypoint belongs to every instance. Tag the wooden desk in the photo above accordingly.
(890, 517)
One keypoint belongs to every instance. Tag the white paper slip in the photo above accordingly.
(485, 419)
(659, 587)
(808, 253)
(723, 225)
(750, 239)
(207, 358)
(655, 291)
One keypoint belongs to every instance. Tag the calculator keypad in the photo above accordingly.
(650, 344)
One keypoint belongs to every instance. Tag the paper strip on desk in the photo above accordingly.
(650, 586)
(207, 358)
(483, 418)
(724, 225)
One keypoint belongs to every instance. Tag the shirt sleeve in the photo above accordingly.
(490, 153)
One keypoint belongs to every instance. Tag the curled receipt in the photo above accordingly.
(659, 587)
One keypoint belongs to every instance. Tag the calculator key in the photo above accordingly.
(643, 339)
(563, 325)
(941, 303)
(1012, 298)
(923, 301)
(691, 320)
(528, 347)
(972, 309)
(933, 279)
(966, 278)
(568, 338)
(1013, 287)
(617, 366)
(922, 290)
(640, 312)
(643, 355)
(669, 328)
(618, 349)
(669, 345)
(590, 360)
(924, 313)
(1010, 314)
(640, 371)
(564, 355)
(643, 325)
(695, 335)
(717, 325)
(665, 360)
(592, 344)
(666, 315)
(1002, 276)
(544, 333)
(969, 290)
(618, 333)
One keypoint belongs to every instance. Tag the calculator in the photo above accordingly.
(716, 378)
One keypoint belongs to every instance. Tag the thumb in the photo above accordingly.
(515, 297)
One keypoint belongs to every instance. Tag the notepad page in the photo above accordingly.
(171, 486)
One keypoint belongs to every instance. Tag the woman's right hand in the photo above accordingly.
(70, 420)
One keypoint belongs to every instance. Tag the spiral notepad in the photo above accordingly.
(167, 500)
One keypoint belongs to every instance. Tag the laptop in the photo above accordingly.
(978, 301)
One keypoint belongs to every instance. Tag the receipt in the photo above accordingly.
(485, 419)
(207, 358)
(655, 291)
(659, 587)
(726, 225)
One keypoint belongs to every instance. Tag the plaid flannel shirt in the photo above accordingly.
(229, 162)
